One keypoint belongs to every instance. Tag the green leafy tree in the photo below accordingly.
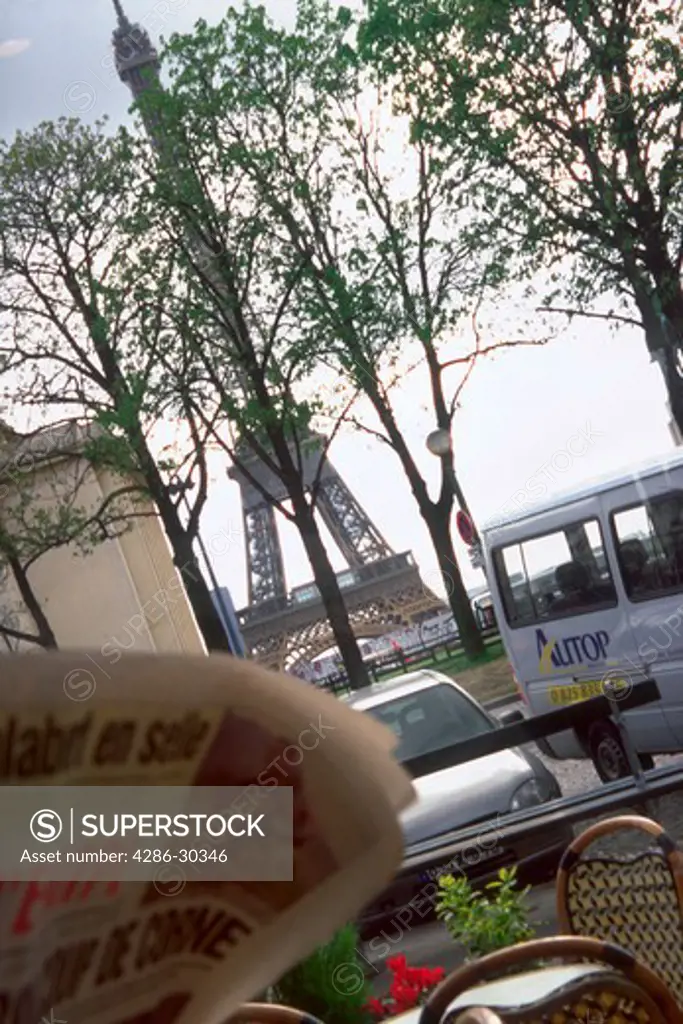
(575, 108)
(78, 332)
(234, 355)
(382, 265)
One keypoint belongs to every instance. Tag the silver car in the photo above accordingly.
(428, 711)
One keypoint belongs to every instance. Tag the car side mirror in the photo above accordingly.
(512, 717)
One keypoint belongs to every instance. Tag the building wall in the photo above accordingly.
(124, 594)
(156, 581)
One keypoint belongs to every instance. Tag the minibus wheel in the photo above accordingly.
(608, 754)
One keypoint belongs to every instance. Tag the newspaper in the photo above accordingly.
(177, 950)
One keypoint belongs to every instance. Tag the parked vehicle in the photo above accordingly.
(588, 587)
(428, 711)
(484, 611)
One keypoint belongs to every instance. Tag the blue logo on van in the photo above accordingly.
(571, 650)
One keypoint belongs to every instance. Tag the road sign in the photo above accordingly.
(466, 528)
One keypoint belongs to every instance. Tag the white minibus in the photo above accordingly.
(588, 587)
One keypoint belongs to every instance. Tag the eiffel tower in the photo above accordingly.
(382, 590)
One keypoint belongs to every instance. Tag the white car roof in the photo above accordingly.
(397, 686)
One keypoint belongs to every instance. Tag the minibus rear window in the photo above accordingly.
(649, 540)
(555, 575)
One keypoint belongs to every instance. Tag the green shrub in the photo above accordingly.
(484, 921)
(330, 984)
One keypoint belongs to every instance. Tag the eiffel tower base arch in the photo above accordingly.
(393, 598)
(382, 590)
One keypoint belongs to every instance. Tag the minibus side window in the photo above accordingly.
(649, 540)
(514, 585)
(555, 575)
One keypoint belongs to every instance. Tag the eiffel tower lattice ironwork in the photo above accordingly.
(383, 590)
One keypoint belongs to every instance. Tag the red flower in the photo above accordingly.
(375, 1007)
(408, 986)
(397, 964)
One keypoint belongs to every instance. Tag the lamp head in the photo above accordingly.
(439, 442)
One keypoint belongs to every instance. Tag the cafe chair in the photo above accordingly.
(270, 1013)
(633, 900)
(561, 980)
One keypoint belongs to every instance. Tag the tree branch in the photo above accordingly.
(595, 316)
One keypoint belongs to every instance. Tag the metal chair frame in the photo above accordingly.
(633, 977)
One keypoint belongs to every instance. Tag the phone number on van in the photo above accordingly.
(577, 692)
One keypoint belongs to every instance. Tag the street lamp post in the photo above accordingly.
(440, 444)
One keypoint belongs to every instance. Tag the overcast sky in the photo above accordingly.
(520, 411)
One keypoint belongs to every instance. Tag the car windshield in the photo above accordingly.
(430, 719)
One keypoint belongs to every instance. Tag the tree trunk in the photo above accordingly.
(674, 385)
(198, 593)
(330, 591)
(458, 598)
(45, 636)
(672, 309)
(437, 519)
(664, 340)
